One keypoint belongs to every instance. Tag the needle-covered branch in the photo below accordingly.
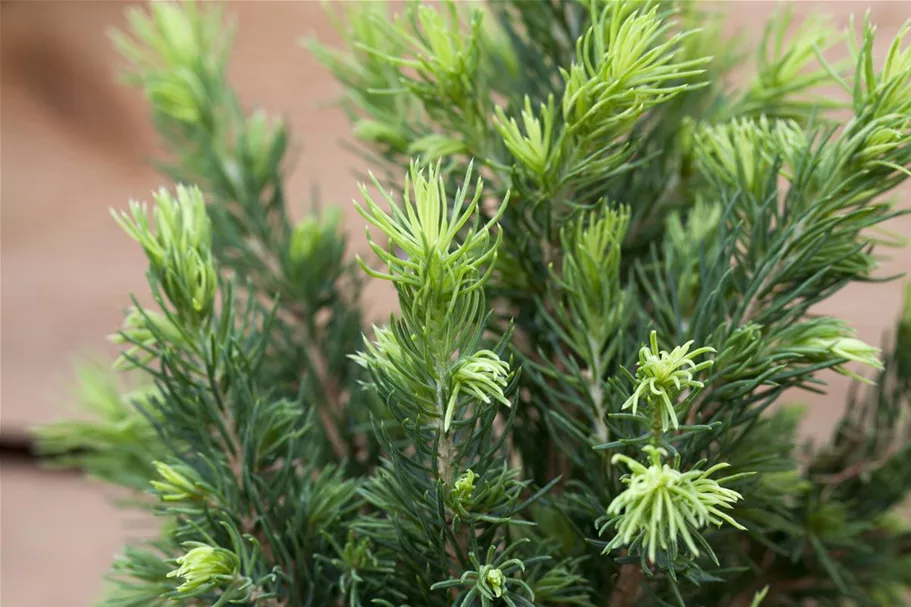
(607, 259)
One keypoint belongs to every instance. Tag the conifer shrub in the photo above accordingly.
(607, 260)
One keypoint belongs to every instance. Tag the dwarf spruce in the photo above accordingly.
(607, 260)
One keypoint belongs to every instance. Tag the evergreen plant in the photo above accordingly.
(607, 259)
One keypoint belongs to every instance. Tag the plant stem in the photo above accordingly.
(444, 459)
(445, 453)
(332, 404)
(446, 448)
(596, 392)
(329, 411)
(627, 588)
(255, 599)
(657, 431)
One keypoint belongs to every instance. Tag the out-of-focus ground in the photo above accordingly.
(74, 144)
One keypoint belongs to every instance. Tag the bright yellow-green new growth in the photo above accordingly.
(662, 375)
(662, 504)
(204, 565)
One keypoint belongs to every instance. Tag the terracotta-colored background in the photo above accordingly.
(74, 145)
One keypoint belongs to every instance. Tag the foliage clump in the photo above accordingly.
(607, 261)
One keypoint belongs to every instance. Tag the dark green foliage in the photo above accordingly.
(607, 261)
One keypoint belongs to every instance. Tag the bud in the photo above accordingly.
(377, 132)
(436, 146)
(490, 580)
(594, 244)
(785, 482)
(197, 273)
(312, 235)
(577, 99)
(791, 143)
(686, 132)
(855, 350)
(264, 143)
(180, 483)
(146, 332)
(734, 151)
(358, 552)
(427, 245)
(179, 249)
(887, 92)
(663, 375)
(174, 47)
(496, 581)
(687, 241)
(384, 353)
(177, 33)
(464, 486)
(740, 351)
(661, 505)
(483, 376)
(701, 223)
(533, 148)
(462, 490)
(827, 338)
(621, 72)
(177, 95)
(450, 57)
(879, 145)
(205, 566)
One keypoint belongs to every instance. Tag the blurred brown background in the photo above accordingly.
(75, 143)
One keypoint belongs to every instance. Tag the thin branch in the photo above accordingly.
(446, 449)
(627, 588)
